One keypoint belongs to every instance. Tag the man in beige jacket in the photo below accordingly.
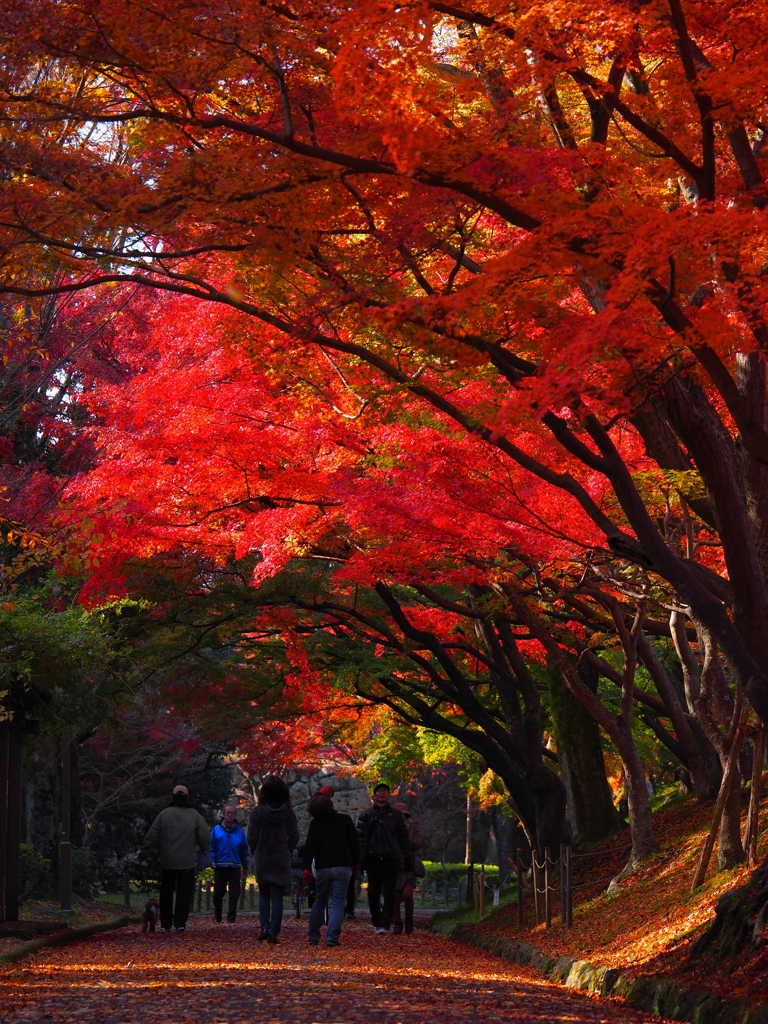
(174, 837)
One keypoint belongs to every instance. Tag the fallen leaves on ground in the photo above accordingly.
(220, 973)
(650, 923)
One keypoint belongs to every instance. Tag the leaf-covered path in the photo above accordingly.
(219, 973)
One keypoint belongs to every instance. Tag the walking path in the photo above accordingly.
(219, 973)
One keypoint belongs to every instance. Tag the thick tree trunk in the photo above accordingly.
(550, 801)
(730, 851)
(700, 756)
(500, 835)
(513, 748)
(618, 727)
(708, 769)
(579, 750)
(640, 816)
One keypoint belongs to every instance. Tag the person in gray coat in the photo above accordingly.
(174, 837)
(273, 833)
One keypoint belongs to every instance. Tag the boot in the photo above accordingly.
(398, 928)
(409, 926)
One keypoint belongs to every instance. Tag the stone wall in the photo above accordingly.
(351, 796)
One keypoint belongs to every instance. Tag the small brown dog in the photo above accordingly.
(149, 917)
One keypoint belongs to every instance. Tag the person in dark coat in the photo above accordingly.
(273, 833)
(174, 837)
(384, 848)
(333, 846)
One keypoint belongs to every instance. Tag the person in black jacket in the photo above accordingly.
(384, 845)
(333, 845)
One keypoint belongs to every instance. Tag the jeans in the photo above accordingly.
(271, 908)
(183, 883)
(329, 882)
(352, 894)
(382, 873)
(223, 879)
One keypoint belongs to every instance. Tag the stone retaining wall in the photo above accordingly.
(654, 995)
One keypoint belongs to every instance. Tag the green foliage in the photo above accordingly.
(392, 753)
(85, 872)
(38, 640)
(35, 876)
(54, 649)
(446, 922)
(436, 871)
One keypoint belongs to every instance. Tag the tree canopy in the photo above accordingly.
(463, 300)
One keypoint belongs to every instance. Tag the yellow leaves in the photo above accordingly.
(656, 485)
(234, 293)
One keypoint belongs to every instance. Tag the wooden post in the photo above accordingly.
(13, 818)
(241, 904)
(547, 888)
(750, 831)
(198, 895)
(207, 896)
(481, 893)
(65, 844)
(722, 796)
(252, 895)
(536, 885)
(468, 848)
(569, 878)
(519, 888)
(563, 887)
(4, 738)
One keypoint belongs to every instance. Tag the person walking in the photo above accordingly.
(384, 846)
(352, 892)
(273, 833)
(333, 845)
(174, 837)
(405, 882)
(229, 853)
